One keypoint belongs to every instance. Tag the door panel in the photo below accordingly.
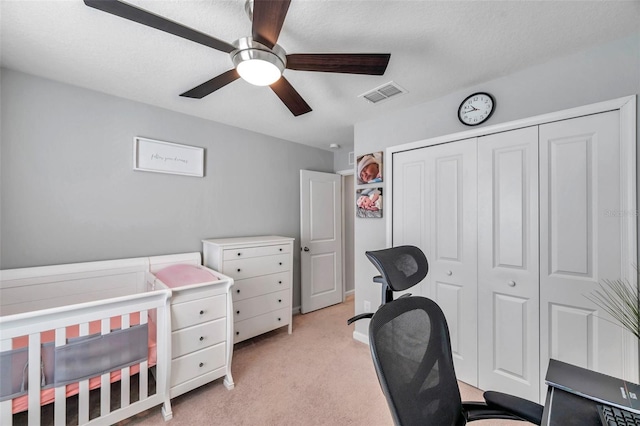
(580, 185)
(435, 209)
(410, 198)
(320, 240)
(508, 300)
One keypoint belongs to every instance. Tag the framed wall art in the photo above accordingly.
(370, 168)
(165, 157)
(369, 202)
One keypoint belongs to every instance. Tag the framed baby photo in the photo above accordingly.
(369, 168)
(369, 202)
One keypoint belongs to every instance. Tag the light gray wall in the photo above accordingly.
(341, 158)
(69, 193)
(601, 73)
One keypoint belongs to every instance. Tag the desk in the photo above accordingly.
(566, 409)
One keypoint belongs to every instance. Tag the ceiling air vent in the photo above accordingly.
(383, 92)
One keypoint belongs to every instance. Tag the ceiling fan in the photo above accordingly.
(257, 59)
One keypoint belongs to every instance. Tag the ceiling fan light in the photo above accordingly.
(258, 67)
(258, 72)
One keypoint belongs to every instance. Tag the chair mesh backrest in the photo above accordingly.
(401, 267)
(411, 351)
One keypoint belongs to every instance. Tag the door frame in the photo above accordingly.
(343, 173)
(627, 107)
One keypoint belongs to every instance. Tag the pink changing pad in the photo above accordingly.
(181, 275)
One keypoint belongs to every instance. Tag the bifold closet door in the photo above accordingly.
(435, 209)
(508, 300)
(581, 236)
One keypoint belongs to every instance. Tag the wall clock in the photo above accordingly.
(476, 109)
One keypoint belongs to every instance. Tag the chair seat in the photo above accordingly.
(523, 408)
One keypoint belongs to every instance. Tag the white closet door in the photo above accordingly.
(435, 209)
(410, 198)
(581, 236)
(508, 301)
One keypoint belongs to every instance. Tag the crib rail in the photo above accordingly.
(151, 304)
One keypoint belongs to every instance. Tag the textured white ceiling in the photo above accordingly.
(436, 47)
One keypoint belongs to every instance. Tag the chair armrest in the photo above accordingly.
(481, 411)
(520, 407)
(359, 317)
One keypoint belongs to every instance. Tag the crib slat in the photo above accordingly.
(83, 388)
(34, 379)
(105, 384)
(60, 407)
(6, 415)
(125, 383)
(144, 375)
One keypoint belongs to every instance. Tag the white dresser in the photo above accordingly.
(201, 332)
(262, 268)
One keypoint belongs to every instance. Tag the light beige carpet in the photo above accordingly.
(319, 375)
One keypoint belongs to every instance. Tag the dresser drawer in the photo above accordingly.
(261, 324)
(197, 311)
(248, 308)
(255, 266)
(181, 295)
(198, 337)
(257, 286)
(197, 363)
(242, 253)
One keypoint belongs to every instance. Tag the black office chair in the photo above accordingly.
(411, 350)
(400, 267)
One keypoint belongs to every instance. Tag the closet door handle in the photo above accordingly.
(306, 249)
(511, 283)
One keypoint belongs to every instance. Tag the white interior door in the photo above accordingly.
(320, 240)
(582, 233)
(508, 297)
(437, 210)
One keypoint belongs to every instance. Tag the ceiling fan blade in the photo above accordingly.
(290, 97)
(212, 85)
(348, 63)
(268, 17)
(132, 13)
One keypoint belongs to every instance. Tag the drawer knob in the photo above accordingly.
(202, 364)
(279, 319)
(201, 338)
(238, 290)
(238, 269)
(238, 312)
(279, 282)
(239, 254)
(511, 283)
(279, 300)
(237, 333)
(449, 273)
(280, 263)
(201, 312)
(280, 249)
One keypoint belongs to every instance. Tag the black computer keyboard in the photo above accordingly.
(612, 416)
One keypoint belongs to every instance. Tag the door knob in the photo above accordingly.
(306, 249)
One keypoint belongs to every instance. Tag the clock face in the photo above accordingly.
(476, 109)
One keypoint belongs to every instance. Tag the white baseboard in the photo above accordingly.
(349, 293)
(361, 337)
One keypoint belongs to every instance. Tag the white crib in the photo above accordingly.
(52, 316)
